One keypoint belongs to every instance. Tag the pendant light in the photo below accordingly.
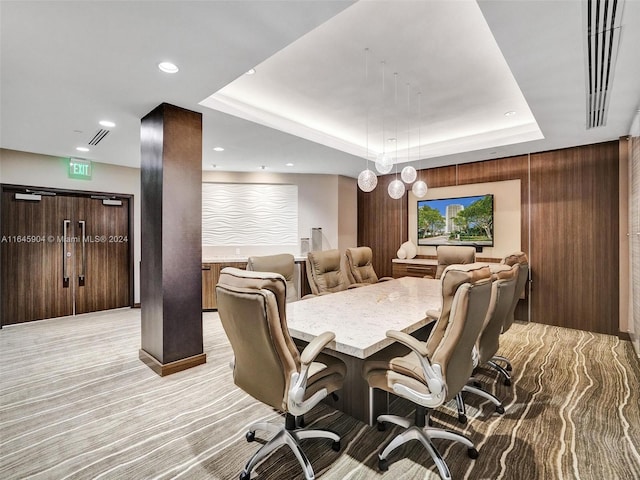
(367, 180)
(419, 188)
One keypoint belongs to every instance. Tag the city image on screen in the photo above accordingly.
(456, 221)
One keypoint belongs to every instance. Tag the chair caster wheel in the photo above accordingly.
(245, 476)
(383, 465)
(507, 382)
(477, 384)
(473, 453)
(500, 409)
(335, 446)
(509, 367)
(381, 426)
(250, 436)
(430, 422)
(462, 418)
(301, 423)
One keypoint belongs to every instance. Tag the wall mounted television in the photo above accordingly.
(456, 221)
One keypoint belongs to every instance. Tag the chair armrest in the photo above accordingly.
(298, 385)
(432, 373)
(435, 314)
(413, 343)
(314, 347)
(357, 285)
(385, 279)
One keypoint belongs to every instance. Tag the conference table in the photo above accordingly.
(360, 318)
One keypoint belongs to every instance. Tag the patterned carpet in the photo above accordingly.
(77, 403)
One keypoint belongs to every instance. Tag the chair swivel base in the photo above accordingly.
(289, 437)
(424, 435)
(462, 411)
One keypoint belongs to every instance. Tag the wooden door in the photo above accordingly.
(32, 253)
(101, 276)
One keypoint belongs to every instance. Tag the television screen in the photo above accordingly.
(456, 221)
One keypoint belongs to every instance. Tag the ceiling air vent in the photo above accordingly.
(97, 138)
(603, 35)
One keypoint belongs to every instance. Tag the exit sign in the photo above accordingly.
(80, 169)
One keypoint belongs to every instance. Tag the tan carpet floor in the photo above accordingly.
(77, 403)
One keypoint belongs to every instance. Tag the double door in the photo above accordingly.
(62, 254)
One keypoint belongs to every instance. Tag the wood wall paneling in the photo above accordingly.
(569, 212)
(574, 230)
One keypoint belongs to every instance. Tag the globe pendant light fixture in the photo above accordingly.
(408, 174)
(396, 189)
(419, 189)
(367, 180)
(384, 163)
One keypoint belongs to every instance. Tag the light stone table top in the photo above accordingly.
(360, 317)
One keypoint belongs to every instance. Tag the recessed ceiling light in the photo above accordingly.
(510, 113)
(289, 164)
(107, 123)
(251, 71)
(168, 67)
(82, 149)
(218, 149)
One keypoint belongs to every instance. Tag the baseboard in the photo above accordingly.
(164, 369)
(624, 336)
(136, 305)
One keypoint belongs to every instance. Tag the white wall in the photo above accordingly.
(324, 201)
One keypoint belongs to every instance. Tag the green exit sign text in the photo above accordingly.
(80, 169)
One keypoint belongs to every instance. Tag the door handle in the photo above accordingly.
(65, 252)
(82, 224)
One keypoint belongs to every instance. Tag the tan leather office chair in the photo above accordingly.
(267, 364)
(325, 272)
(434, 371)
(520, 259)
(360, 267)
(450, 255)
(453, 255)
(283, 263)
(504, 280)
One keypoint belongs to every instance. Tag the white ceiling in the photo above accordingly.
(65, 65)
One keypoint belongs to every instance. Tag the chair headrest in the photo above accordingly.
(282, 263)
(517, 257)
(324, 260)
(247, 279)
(360, 256)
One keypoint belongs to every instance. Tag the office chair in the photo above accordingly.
(453, 255)
(520, 259)
(502, 289)
(436, 370)
(325, 274)
(450, 255)
(267, 364)
(360, 268)
(283, 263)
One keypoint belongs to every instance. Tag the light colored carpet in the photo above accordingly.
(76, 403)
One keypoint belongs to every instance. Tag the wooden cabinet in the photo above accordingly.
(210, 276)
(413, 270)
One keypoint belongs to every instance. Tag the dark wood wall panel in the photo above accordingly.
(572, 197)
(574, 229)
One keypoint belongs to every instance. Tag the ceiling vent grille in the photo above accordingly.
(97, 138)
(603, 35)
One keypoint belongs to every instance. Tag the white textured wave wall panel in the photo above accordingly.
(249, 214)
